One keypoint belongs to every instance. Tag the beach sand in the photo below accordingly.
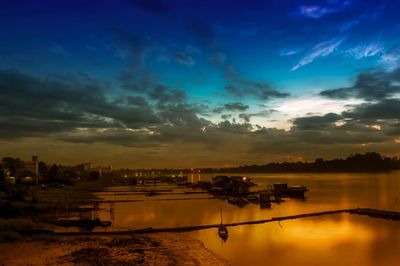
(155, 249)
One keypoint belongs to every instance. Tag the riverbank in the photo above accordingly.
(130, 249)
(154, 249)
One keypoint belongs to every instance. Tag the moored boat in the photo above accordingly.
(223, 232)
(296, 191)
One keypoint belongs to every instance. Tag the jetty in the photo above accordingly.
(375, 213)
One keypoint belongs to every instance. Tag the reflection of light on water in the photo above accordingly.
(327, 240)
(326, 232)
(145, 217)
(318, 241)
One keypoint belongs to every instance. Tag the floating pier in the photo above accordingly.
(382, 214)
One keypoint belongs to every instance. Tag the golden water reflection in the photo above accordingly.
(340, 239)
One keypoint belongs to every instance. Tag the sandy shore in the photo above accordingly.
(156, 249)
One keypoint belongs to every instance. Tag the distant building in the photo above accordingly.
(233, 185)
(101, 170)
(32, 166)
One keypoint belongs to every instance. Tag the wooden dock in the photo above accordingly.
(381, 214)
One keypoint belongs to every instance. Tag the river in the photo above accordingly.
(341, 239)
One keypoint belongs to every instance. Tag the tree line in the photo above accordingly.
(368, 162)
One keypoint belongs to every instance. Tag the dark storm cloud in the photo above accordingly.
(19, 127)
(246, 116)
(138, 101)
(117, 136)
(351, 133)
(261, 91)
(182, 114)
(242, 87)
(237, 106)
(226, 116)
(232, 107)
(32, 106)
(370, 122)
(179, 123)
(316, 122)
(232, 127)
(78, 109)
(385, 109)
(392, 129)
(368, 86)
(164, 95)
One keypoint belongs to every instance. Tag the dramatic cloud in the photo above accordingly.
(385, 109)
(265, 113)
(163, 95)
(64, 103)
(242, 87)
(368, 86)
(78, 110)
(320, 50)
(261, 91)
(236, 106)
(316, 122)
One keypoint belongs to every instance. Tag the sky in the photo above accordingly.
(168, 83)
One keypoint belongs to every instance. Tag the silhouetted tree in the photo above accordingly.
(12, 164)
(368, 162)
(94, 175)
(53, 173)
(43, 171)
(2, 180)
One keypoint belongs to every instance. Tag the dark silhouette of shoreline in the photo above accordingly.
(369, 162)
(357, 163)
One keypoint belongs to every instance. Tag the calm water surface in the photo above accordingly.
(328, 240)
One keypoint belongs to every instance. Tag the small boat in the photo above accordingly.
(222, 230)
(253, 197)
(283, 189)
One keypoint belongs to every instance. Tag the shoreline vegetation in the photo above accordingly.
(370, 162)
(357, 163)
